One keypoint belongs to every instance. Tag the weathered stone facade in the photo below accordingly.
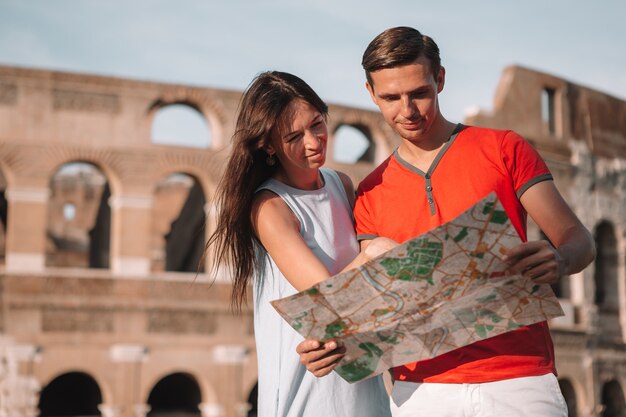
(95, 283)
(94, 218)
(581, 133)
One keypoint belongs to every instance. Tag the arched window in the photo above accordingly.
(613, 400)
(606, 282)
(180, 125)
(176, 395)
(253, 401)
(79, 217)
(567, 389)
(178, 229)
(606, 263)
(71, 394)
(352, 144)
(548, 110)
(4, 210)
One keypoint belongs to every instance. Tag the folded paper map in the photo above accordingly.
(437, 292)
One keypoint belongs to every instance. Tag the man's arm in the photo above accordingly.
(571, 247)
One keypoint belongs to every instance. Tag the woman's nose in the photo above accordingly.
(312, 141)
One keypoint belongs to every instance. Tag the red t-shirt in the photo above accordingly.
(400, 202)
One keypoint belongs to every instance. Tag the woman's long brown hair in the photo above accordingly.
(261, 110)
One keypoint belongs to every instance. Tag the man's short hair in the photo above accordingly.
(399, 46)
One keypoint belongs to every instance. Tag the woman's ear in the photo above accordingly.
(269, 149)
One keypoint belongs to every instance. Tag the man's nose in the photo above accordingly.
(409, 109)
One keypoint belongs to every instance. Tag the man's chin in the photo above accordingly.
(411, 135)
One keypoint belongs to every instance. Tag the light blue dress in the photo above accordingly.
(286, 389)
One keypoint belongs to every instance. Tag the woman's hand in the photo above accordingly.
(320, 358)
(378, 246)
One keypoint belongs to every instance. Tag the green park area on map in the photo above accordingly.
(440, 291)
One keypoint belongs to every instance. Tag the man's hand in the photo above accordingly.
(538, 260)
(320, 358)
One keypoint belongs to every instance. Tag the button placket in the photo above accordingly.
(429, 194)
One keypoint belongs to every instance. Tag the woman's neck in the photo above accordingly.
(303, 180)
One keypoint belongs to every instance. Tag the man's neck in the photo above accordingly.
(422, 153)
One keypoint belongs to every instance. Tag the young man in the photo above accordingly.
(439, 170)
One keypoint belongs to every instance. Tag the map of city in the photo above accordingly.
(437, 292)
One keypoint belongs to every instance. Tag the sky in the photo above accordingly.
(225, 43)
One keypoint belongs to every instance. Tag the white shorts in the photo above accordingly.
(535, 396)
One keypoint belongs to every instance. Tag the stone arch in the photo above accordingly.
(606, 266)
(612, 400)
(180, 124)
(175, 394)
(189, 167)
(353, 143)
(4, 214)
(570, 395)
(209, 109)
(253, 400)
(79, 216)
(381, 137)
(54, 372)
(207, 390)
(178, 226)
(72, 393)
(606, 295)
(105, 161)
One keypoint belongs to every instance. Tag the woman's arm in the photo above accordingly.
(278, 230)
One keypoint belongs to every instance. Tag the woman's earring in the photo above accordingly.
(270, 160)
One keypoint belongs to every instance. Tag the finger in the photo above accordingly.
(324, 350)
(323, 371)
(543, 274)
(547, 278)
(524, 250)
(523, 266)
(325, 362)
(546, 265)
(307, 345)
(517, 252)
(542, 260)
(311, 356)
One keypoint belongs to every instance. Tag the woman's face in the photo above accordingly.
(301, 139)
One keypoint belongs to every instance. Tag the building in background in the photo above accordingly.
(105, 305)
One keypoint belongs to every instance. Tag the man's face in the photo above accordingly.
(407, 97)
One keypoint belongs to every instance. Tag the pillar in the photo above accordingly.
(130, 234)
(26, 229)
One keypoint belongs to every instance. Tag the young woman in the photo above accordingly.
(285, 224)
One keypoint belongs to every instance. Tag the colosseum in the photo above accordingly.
(105, 305)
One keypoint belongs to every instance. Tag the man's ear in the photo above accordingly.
(441, 79)
(370, 89)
